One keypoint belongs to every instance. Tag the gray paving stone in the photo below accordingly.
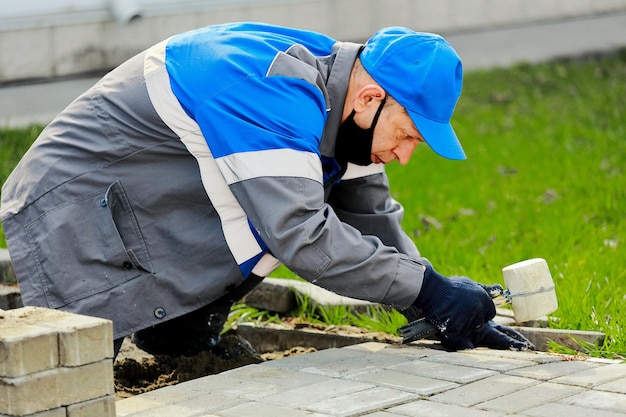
(207, 394)
(484, 390)
(444, 371)
(360, 402)
(167, 395)
(538, 357)
(135, 405)
(411, 351)
(210, 385)
(254, 409)
(179, 400)
(212, 403)
(599, 400)
(530, 397)
(355, 365)
(596, 376)
(234, 387)
(424, 408)
(165, 410)
(566, 410)
(304, 396)
(276, 376)
(548, 371)
(378, 380)
(405, 382)
(618, 385)
(479, 361)
(320, 357)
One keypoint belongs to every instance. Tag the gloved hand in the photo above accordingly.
(462, 310)
(496, 336)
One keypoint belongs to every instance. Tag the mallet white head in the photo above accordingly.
(531, 289)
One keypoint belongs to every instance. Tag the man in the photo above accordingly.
(171, 187)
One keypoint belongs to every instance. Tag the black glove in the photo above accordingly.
(494, 290)
(496, 336)
(462, 310)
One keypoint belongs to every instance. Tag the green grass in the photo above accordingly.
(13, 144)
(545, 177)
(374, 318)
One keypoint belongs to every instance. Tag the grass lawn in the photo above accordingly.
(545, 177)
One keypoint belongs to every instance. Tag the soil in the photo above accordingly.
(137, 372)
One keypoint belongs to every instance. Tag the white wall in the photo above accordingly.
(51, 38)
(25, 14)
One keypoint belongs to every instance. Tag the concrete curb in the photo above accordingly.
(6, 268)
(279, 295)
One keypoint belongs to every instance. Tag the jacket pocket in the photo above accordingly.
(87, 246)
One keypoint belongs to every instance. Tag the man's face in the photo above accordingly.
(395, 136)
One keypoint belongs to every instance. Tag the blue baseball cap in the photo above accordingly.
(424, 74)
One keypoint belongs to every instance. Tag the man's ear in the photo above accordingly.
(371, 94)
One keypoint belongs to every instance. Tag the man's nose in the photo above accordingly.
(404, 152)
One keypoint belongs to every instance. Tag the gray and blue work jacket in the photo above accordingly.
(182, 171)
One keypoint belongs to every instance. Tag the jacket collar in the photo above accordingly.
(337, 87)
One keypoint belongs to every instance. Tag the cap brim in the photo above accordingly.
(439, 136)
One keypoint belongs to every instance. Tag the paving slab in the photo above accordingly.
(390, 380)
(558, 410)
(531, 397)
(552, 370)
(607, 401)
(429, 408)
(311, 394)
(420, 385)
(619, 385)
(484, 390)
(595, 376)
(446, 372)
(481, 362)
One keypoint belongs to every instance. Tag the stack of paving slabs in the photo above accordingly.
(55, 364)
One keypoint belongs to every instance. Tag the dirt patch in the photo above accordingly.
(137, 372)
(298, 350)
